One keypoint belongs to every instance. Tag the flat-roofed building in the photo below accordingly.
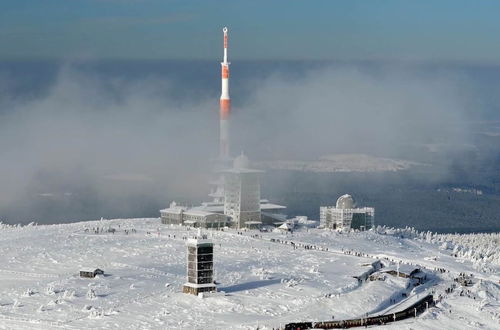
(173, 215)
(401, 270)
(194, 217)
(203, 219)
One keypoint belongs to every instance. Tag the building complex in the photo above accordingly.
(235, 187)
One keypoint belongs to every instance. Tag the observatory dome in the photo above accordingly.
(345, 202)
(241, 162)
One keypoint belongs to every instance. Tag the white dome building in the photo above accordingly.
(345, 202)
(345, 215)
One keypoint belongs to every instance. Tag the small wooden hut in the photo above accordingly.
(90, 272)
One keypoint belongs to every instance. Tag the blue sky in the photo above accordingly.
(437, 30)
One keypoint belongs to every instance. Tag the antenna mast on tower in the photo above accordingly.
(225, 102)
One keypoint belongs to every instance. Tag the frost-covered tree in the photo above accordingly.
(50, 289)
(28, 293)
(69, 294)
(96, 313)
(91, 294)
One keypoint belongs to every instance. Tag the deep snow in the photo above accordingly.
(261, 283)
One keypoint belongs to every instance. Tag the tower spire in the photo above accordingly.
(225, 101)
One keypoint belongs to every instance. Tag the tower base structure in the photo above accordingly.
(198, 288)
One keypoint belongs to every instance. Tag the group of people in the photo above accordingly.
(467, 293)
(450, 289)
(130, 231)
(100, 230)
(300, 245)
(465, 275)
(441, 270)
(355, 253)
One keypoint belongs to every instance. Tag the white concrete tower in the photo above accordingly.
(242, 194)
(225, 102)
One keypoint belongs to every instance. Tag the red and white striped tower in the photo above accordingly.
(225, 103)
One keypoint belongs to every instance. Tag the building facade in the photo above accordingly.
(181, 215)
(345, 215)
(173, 215)
(239, 207)
(200, 270)
(242, 194)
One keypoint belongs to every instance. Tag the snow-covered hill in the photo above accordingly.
(340, 163)
(262, 283)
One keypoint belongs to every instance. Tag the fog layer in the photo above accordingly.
(94, 142)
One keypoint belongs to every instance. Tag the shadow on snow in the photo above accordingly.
(249, 285)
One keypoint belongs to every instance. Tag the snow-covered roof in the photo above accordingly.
(284, 226)
(219, 207)
(212, 204)
(195, 211)
(175, 210)
(253, 222)
(89, 269)
(271, 206)
(199, 241)
(198, 212)
(403, 268)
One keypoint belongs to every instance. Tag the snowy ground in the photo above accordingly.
(265, 283)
